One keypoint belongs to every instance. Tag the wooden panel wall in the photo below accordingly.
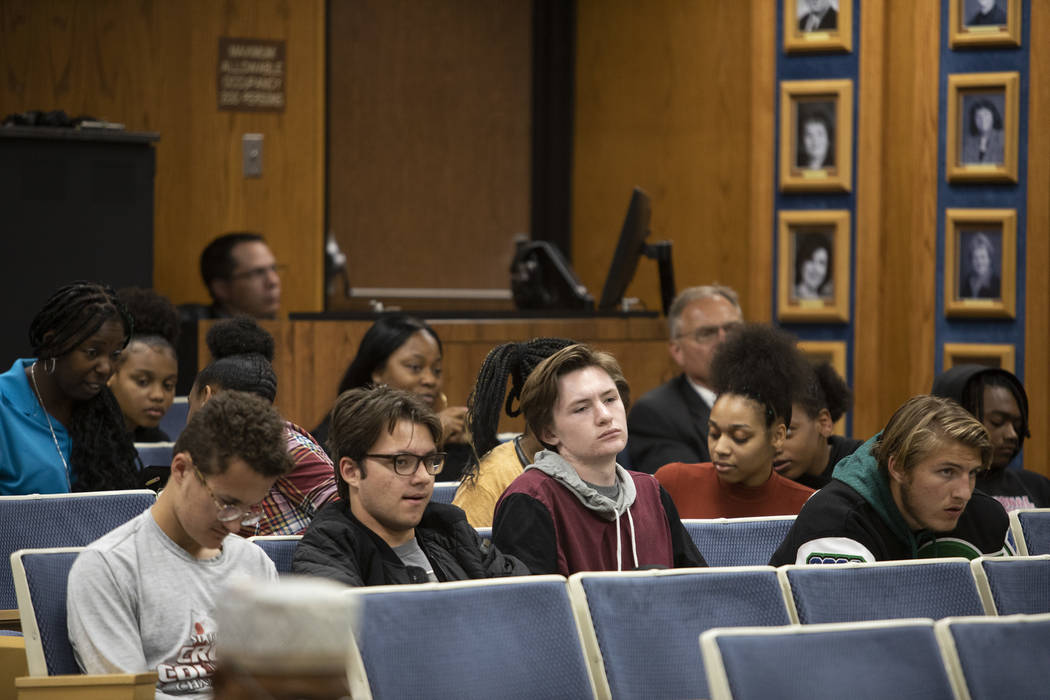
(896, 208)
(152, 66)
(311, 356)
(665, 100)
(1037, 324)
(429, 138)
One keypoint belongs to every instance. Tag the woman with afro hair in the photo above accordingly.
(757, 373)
(61, 429)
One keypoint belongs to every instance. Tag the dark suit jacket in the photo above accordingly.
(668, 424)
(830, 20)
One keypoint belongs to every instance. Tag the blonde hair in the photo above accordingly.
(922, 425)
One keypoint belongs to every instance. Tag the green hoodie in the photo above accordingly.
(860, 471)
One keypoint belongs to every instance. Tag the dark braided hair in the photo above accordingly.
(103, 457)
(242, 354)
(510, 360)
(973, 397)
(824, 388)
(761, 362)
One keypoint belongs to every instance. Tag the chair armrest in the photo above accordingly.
(110, 686)
(9, 620)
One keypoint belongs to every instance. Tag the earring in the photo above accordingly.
(51, 369)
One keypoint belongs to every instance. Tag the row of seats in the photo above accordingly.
(73, 520)
(606, 634)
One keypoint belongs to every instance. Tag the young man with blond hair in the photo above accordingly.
(907, 493)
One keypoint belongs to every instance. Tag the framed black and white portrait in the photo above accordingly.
(816, 134)
(818, 25)
(1000, 356)
(814, 252)
(984, 23)
(982, 127)
(980, 263)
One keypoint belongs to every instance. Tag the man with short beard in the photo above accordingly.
(907, 493)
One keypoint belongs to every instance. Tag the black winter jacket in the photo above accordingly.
(337, 546)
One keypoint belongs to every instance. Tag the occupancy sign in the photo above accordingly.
(251, 74)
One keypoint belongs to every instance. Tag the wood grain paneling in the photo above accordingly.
(1037, 321)
(663, 101)
(429, 138)
(152, 67)
(896, 208)
(311, 356)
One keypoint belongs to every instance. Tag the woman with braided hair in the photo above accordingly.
(482, 484)
(61, 429)
(147, 371)
(758, 372)
(242, 355)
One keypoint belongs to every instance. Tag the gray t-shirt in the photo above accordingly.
(610, 492)
(411, 555)
(139, 602)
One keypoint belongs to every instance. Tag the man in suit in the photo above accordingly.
(821, 17)
(669, 423)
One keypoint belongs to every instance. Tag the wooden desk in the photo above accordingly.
(312, 355)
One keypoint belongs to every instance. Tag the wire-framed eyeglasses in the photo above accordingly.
(406, 463)
(705, 334)
(249, 515)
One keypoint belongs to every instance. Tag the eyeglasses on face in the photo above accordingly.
(259, 273)
(705, 334)
(406, 463)
(249, 515)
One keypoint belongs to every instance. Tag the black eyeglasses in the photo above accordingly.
(705, 334)
(406, 463)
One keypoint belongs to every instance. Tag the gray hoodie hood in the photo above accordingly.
(552, 464)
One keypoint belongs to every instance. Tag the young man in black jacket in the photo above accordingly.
(907, 493)
(385, 530)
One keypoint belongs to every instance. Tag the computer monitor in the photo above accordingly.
(629, 249)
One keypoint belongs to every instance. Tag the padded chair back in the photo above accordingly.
(444, 491)
(1031, 530)
(1013, 585)
(175, 419)
(640, 627)
(932, 588)
(999, 657)
(739, 541)
(492, 638)
(280, 549)
(61, 520)
(155, 454)
(40, 582)
(859, 660)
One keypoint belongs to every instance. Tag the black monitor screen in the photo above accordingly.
(628, 250)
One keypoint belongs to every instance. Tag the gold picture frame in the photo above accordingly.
(814, 265)
(834, 353)
(822, 37)
(980, 263)
(968, 28)
(990, 354)
(982, 127)
(816, 135)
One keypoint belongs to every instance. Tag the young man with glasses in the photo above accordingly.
(141, 597)
(669, 423)
(384, 443)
